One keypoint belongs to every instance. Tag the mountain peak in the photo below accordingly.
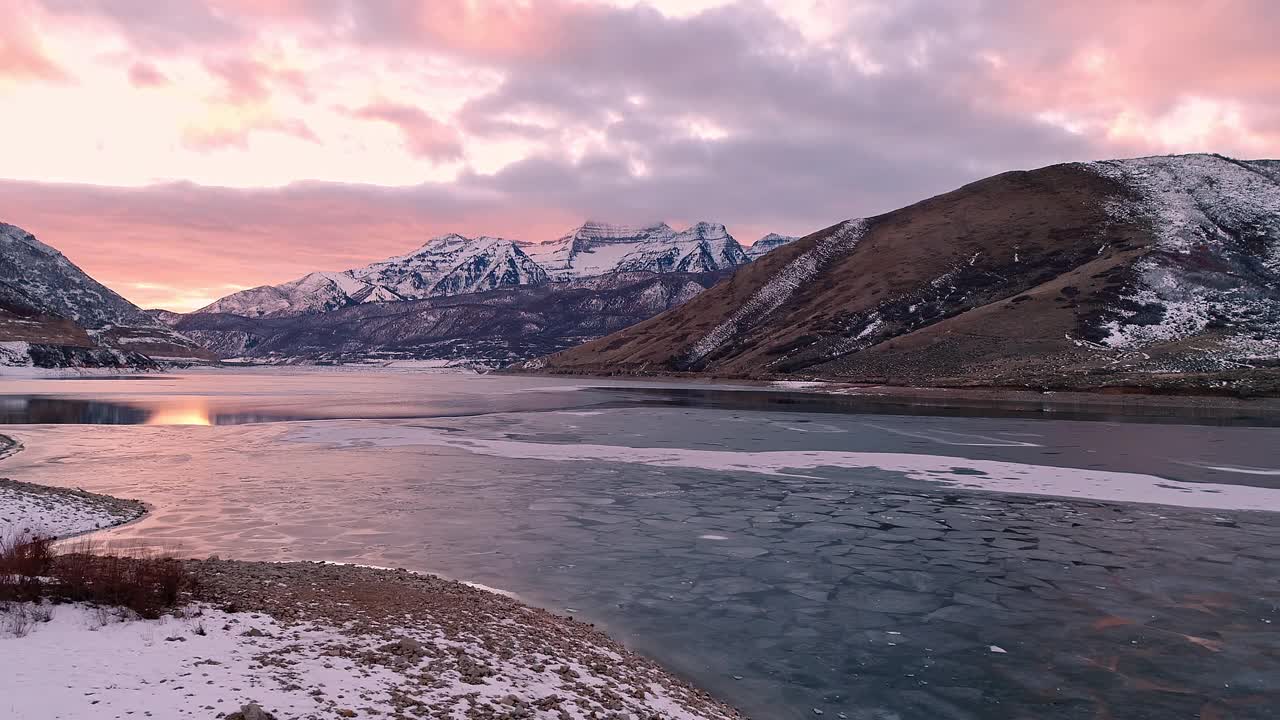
(454, 264)
(72, 316)
(440, 242)
(603, 231)
(708, 230)
(769, 242)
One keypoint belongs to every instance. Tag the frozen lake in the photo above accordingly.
(787, 553)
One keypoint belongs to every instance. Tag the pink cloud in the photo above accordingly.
(237, 135)
(143, 74)
(249, 81)
(1140, 65)
(21, 56)
(424, 135)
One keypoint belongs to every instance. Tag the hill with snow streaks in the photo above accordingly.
(52, 314)
(1154, 273)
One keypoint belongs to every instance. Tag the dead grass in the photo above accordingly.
(147, 583)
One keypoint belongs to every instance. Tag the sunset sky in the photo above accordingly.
(179, 151)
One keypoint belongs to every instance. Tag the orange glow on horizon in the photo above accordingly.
(191, 412)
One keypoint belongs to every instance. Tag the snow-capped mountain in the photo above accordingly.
(456, 265)
(50, 283)
(52, 313)
(704, 247)
(1159, 272)
(313, 292)
(599, 249)
(769, 242)
(446, 265)
(452, 265)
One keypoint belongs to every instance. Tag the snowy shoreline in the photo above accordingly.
(30, 511)
(310, 640)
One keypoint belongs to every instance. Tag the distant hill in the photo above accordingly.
(494, 327)
(52, 314)
(1157, 273)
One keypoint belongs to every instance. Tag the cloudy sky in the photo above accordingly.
(179, 151)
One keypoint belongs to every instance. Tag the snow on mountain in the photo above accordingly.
(769, 242)
(314, 292)
(446, 265)
(599, 249)
(1216, 257)
(595, 248)
(48, 282)
(794, 275)
(704, 247)
(456, 265)
(453, 265)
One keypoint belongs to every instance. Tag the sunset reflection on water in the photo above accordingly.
(189, 411)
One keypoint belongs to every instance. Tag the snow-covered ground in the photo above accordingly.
(28, 510)
(798, 384)
(88, 663)
(77, 661)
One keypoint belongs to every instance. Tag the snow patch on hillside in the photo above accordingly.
(780, 287)
(1216, 261)
(15, 353)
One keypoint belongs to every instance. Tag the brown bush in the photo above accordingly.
(23, 566)
(147, 583)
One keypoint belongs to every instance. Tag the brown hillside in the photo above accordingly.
(1009, 280)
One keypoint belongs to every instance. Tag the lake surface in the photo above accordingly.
(787, 552)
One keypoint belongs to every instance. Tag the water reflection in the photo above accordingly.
(239, 409)
(61, 411)
(189, 411)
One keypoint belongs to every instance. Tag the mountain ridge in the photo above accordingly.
(453, 264)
